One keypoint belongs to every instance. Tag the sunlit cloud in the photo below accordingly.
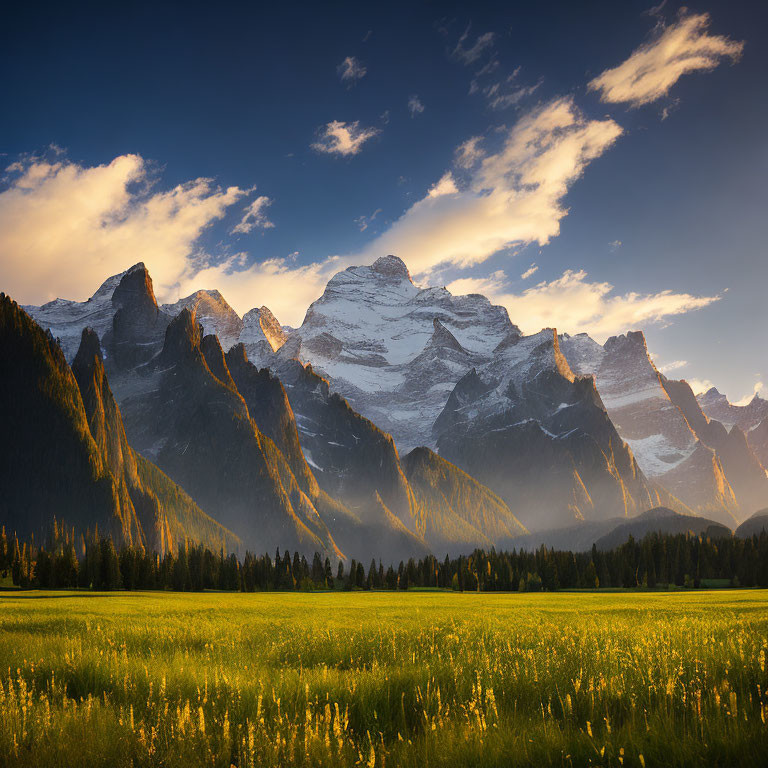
(282, 285)
(255, 216)
(529, 272)
(65, 227)
(351, 70)
(446, 186)
(573, 304)
(651, 71)
(513, 197)
(747, 399)
(345, 139)
(699, 386)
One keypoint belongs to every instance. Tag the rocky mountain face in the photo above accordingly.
(393, 350)
(213, 313)
(262, 336)
(70, 457)
(758, 441)
(740, 463)
(531, 430)
(666, 447)
(419, 503)
(751, 419)
(258, 331)
(183, 410)
(716, 406)
(66, 319)
(354, 462)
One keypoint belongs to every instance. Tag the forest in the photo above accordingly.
(658, 561)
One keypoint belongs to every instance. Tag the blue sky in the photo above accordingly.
(112, 116)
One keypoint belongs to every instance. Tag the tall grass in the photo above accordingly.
(380, 679)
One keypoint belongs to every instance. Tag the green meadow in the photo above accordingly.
(378, 678)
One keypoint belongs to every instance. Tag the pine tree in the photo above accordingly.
(110, 565)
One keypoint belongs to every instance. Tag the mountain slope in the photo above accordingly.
(354, 462)
(456, 513)
(167, 516)
(754, 525)
(213, 313)
(50, 465)
(190, 418)
(662, 440)
(71, 458)
(662, 520)
(740, 463)
(717, 406)
(525, 426)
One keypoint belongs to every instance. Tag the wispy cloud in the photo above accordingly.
(651, 71)
(363, 222)
(339, 138)
(675, 365)
(255, 216)
(468, 52)
(572, 303)
(415, 107)
(529, 272)
(469, 153)
(504, 93)
(351, 70)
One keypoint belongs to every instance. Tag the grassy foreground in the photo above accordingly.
(375, 679)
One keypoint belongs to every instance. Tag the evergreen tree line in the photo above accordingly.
(657, 561)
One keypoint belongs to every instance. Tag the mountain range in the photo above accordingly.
(395, 421)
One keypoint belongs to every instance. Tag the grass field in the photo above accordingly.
(375, 679)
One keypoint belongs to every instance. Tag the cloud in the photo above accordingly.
(699, 386)
(530, 271)
(505, 93)
(351, 70)
(415, 107)
(573, 304)
(64, 227)
(469, 55)
(446, 186)
(338, 138)
(255, 216)
(747, 399)
(513, 197)
(673, 366)
(469, 153)
(651, 71)
(363, 222)
(287, 289)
